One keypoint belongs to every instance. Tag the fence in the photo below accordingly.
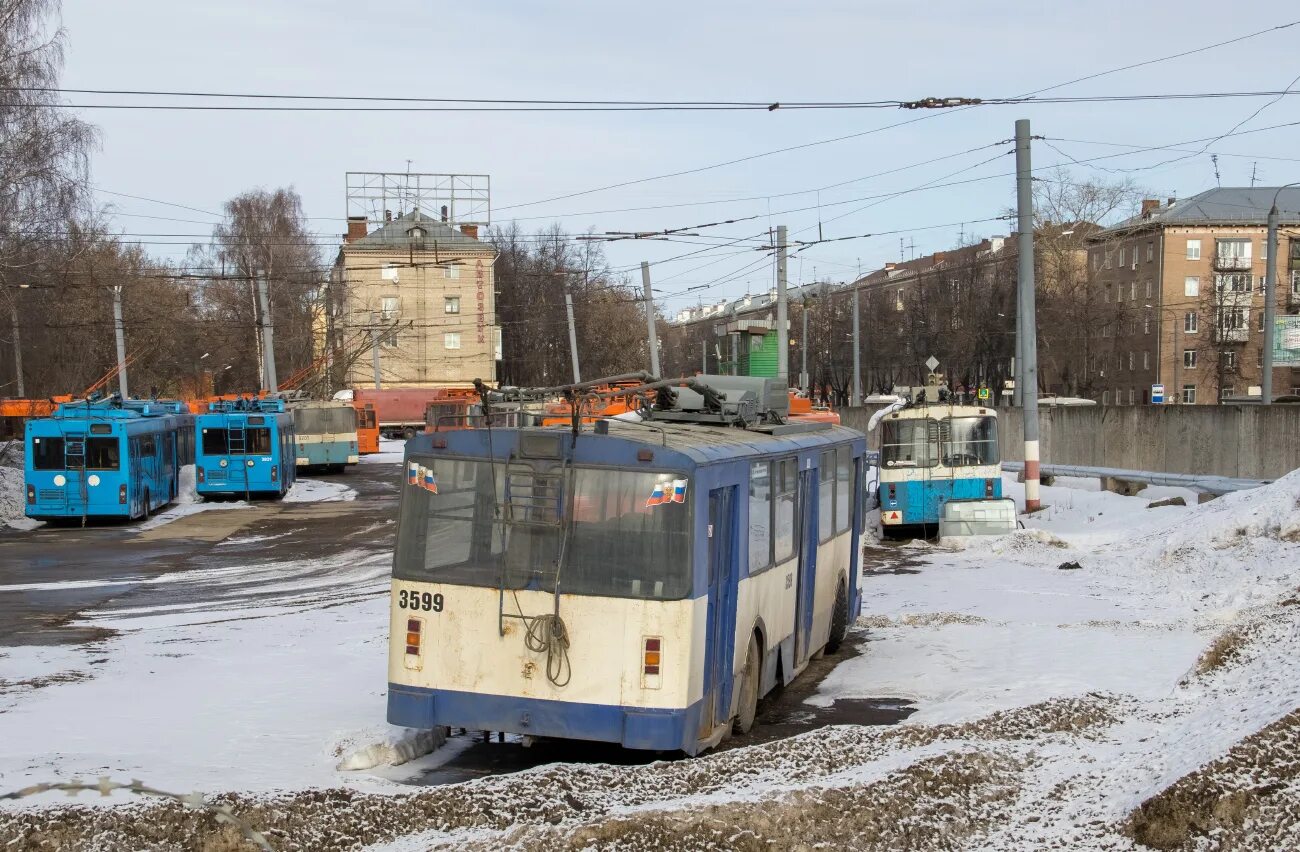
(1240, 441)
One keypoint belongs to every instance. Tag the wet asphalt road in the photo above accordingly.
(50, 575)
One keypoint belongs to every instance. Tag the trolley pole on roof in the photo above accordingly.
(1028, 326)
(120, 333)
(653, 338)
(268, 334)
(782, 318)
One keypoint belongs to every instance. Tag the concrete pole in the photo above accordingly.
(1028, 323)
(782, 316)
(1270, 304)
(573, 335)
(855, 397)
(735, 353)
(18, 348)
(704, 357)
(653, 337)
(803, 369)
(268, 335)
(119, 332)
(374, 360)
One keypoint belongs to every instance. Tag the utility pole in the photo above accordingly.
(855, 397)
(1028, 337)
(268, 334)
(374, 359)
(573, 333)
(803, 369)
(120, 333)
(18, 347)
(782, 318)
(1270, 300)
(653, 337)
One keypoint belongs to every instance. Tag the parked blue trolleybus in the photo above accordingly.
(933, 453)
(245, 448)
(326, 434)
(107, 458)
(636, 583)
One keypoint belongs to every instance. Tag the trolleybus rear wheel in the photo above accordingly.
(144, 513)
(839, 619)
(749, 689)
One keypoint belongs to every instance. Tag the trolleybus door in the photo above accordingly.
(806, 573)
(721, 630)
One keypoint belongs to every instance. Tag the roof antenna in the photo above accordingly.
(819, 216)
(1214, 158)
(1253, 167)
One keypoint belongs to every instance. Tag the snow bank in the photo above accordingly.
(188, 491)
(319, 491)
(12, 498)
(395, 747)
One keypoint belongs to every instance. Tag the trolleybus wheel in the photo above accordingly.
(839, 619)
(749, 689)
(144, 513)
(408, 433)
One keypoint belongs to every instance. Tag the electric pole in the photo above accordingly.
(268, 334)
(573, 333)
(653, 338)
(855, 398)
(120, 333)
(782, 319)
(1028, 336)
(1270, 300)
(803, 350)
(18, 347)
(374, 359)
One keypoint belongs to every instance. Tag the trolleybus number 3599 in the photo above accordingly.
(418, 601)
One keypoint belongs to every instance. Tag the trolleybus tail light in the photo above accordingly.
(121, 494)
(31, 495)
(988, 488)
(893, 491)
(651, 660)
(413, 636)
(198, 474)
(275, 474)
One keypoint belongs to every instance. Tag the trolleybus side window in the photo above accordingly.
(843, 489)
(760, 516)
(48, 453)
(214, 442)
(970, 441)
(786, 470)
(103, 453)
(909, 443)
(826, 497)
(258, 441)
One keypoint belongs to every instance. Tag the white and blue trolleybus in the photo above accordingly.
(642, 583)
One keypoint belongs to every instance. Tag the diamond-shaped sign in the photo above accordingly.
(932, 362)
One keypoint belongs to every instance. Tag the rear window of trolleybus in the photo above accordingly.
(626, 541)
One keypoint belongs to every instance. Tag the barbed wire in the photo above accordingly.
(106, 786)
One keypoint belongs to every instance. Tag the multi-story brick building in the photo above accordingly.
(1182, 285)
(422, 290)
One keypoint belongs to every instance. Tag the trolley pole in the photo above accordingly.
(855, 397)
(653, 338)
(782, 317)
(120, 333)
(1028, 326)
(268, 334)
(573, 334)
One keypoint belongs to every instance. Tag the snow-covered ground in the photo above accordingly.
(391, 451)
(1149, 696)
(319, 491)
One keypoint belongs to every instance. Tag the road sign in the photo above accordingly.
(1157, 394)
(983, 393)
(932, 362)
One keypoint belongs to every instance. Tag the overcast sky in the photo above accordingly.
(745, 51)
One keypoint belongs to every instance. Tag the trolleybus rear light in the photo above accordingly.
(198, 474)
(892, 491)
(31, 495)
(988, 488)
(652, 655)
(275, 474)
(413, 636)
(121, 494)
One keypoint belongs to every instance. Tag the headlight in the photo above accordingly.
(222, 463)
(93, 479)
(60, 479)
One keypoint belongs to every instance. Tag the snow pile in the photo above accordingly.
(188, 490)
(395, 747)
(12, 491)
(319, 491)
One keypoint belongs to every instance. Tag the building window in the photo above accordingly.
(1232, 282)
(1260, 324)
(1191, 322)
(451, 340)
(1106, 261)
(1230, 361)
(1119, 362)
(1105, 397)
(1189, 394)
(388, 307)
(389, 340)
(1108, 294)
(1233, 319)
(1259, 358)
(1096, 261)
(1192, 285)
(1146, 360)
(1151, 251)
(1193, 249)
(1227, 392)
(1232, 254)
(1189, 358)
(451, 304)
(388, 272)
(451, 270)
(1132, 395)
(1146, 324)
(1130, 361)
(1148, 288)
(1121, 257)
(1295, 281)
(1132, 291)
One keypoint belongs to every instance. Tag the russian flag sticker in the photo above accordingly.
(679, 491)
(656, 496)
(413, 473)
(430, 481)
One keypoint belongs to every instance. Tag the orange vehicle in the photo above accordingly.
(14, 413)
(561, 413)
(367, 428)
(802, 410)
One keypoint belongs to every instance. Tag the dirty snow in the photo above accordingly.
(391, 451)
(1150, 697)
(319, 491)
(12, 499)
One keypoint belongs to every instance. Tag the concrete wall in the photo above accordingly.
(1248, 441)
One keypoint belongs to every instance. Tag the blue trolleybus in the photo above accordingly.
(106, 458)
(326, 434)
(642, 583)
(933, 453)
(244, 448)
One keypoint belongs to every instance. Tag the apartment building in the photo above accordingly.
(1181, 288)
(419, 293)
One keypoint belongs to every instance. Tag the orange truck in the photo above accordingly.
(14, 413)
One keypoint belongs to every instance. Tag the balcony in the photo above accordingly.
(1230, 335)
(1231, 262)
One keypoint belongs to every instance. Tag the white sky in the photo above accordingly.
(752, 51)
